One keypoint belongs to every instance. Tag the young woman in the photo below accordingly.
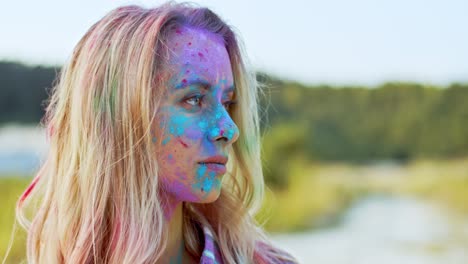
(154, 147)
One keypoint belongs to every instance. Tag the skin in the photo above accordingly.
(192, 124)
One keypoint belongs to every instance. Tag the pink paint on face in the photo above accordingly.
(194, 122)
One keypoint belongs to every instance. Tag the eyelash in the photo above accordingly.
(200, 98)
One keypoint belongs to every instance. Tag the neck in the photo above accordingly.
(175, 249)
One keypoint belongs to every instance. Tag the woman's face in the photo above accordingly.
(194, 130)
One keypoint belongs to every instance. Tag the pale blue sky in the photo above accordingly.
(330, 41)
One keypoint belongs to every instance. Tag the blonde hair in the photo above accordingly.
(97, 190)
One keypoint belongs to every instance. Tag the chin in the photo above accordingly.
(209, 197)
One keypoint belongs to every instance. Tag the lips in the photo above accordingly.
(218, 159)
(215, 163)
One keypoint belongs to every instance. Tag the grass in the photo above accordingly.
(11, 187)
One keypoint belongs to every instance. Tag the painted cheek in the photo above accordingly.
(181, 175)
(170, 159)
(184, 128)
(195, 131)
(177, 125)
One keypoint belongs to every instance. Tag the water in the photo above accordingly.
(22, 148)
(385, 231)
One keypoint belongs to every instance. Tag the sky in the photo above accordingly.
(338, 42)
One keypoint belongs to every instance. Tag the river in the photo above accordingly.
(21, 149)
(384, 230)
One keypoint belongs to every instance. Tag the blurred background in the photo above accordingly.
(365, 119)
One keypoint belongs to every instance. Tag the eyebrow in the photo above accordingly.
(202, 83)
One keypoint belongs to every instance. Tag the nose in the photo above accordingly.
(224, 129)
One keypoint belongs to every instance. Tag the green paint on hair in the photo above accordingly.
(100, 103)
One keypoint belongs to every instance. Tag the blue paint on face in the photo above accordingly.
(201, 171)
(177, 124)
(214, 132)
(203, 124)
(166, 140)
(218, 115)
(207, 184)
(229, 134)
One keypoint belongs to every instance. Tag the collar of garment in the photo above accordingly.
(211, 253)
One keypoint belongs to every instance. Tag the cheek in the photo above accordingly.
(182, 126)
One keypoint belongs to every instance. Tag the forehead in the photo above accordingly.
(198, 54)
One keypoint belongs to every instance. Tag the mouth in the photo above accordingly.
(219, 168)
(218, 159)
(215, 163)
(205, 163)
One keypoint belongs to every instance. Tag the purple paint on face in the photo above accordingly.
(195, 116)
(181, 193)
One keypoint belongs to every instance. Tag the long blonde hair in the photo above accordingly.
(97, 190)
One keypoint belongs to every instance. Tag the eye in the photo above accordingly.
(229, 104)
(194, 100)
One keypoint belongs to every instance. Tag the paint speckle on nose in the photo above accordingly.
(230, 134)
(218, 114)
(214, 132)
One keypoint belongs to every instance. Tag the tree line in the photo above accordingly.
(394, 120)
